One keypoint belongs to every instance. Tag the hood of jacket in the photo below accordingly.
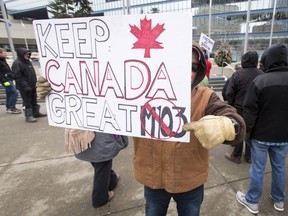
(21, 52)
(202, 63)
(274, 56)
(249, 59)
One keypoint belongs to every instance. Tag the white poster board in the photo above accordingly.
(206, 42)
(127, 75)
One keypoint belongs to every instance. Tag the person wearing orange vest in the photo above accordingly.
(178, 170)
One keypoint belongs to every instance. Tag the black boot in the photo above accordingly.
(29, 116)
(36, 113)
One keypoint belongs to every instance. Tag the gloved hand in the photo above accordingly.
(7, 84)
(43, 87)
(212, 130)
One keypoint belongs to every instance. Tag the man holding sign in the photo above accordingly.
(143, 92)
(179, 170)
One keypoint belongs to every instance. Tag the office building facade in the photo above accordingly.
(228, 21)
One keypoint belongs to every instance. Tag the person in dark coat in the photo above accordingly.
(7, 82)
(25, 77)
(225, 89)
(265, 114)
(235, 94)
(236, 67)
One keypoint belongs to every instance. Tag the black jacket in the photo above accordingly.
(241, 80)
(266, 104)
(23, 71)
(225, 88)
(5, 71)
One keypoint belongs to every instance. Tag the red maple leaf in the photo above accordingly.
(147, 36)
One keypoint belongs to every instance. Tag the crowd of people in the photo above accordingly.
(257, 90)
(6, 80)
(252, 119)
(24, 75)
(265, 118)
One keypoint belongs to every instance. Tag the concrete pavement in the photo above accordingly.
(38, 178)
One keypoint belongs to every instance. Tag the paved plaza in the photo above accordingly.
(37, 177)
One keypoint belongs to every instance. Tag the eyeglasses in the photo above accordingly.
(195, 67)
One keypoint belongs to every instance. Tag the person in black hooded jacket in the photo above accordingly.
(235, 94)
(266, 117)
(25, 77)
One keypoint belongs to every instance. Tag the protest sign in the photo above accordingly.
(128, 75)
(206, 42)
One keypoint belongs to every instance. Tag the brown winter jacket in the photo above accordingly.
(180, 167)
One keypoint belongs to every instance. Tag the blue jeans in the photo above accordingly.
(188, 203)
(11, 96)
(277, 154)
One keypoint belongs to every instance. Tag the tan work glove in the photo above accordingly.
(43, 87)
(212, 130)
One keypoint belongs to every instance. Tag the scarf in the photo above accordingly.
(77, 140)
